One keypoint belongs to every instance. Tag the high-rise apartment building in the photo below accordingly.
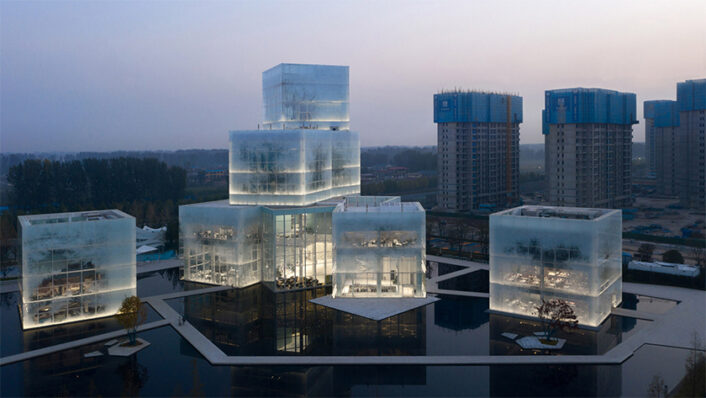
(662, 125)
(478, 149)
(650, 155)
(588, 147)
(691, 178)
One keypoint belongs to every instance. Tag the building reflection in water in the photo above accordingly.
(460, 313)
(257, 321)
(554, 380)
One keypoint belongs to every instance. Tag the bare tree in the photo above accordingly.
(699, 256)
(644, 252)
(657, 388)
(556, 314)
(694, 381)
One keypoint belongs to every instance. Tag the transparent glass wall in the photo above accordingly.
(306, 96)
(75, 266)
(552, 252)
(380, 248)
(292, 167)
(298, 246)
(221, 244)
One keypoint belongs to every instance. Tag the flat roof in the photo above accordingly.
(573, 213)
(78, 216)
(398, 207)
(225, 203)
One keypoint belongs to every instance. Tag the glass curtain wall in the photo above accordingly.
(75, 266)
(292, 167)
(543, 253)
(306, 96)
(299, 247)
(380, 248)
(221, 244)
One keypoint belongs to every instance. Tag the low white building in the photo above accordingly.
(660, 267)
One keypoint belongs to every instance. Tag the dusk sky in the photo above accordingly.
(84, 76)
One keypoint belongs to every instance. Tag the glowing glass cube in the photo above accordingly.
(380, 248)
(221, 244)
(292, 167)
(306, 96)
(542, 252)
(75, 266)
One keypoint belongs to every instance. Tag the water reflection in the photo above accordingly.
(554, 380)
(580, 341)
(256, 321)
(460, 313)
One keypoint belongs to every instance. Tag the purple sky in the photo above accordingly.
(169, 75)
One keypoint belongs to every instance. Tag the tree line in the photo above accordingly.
(397, 187)
(93, 183)
(147, 189)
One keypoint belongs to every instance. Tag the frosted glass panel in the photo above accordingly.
(306, 96)
(292, 167)
(221, 244)
(556, 252)
(380, 248)
(75, 266)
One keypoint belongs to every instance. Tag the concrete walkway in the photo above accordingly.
(151, 266)
(433, 290)
(674, 328)
(155, 301)
(76, 343)
(12, 285)
(215, 356)
(461, 263)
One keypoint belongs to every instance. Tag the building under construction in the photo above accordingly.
(478, 143)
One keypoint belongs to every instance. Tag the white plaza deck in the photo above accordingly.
(375, 308)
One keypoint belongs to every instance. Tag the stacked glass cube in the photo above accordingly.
(380, 248)
(75, 266)
(306, 96)
(541, 252)
(221, 244)
(292, 167)
(284, 183)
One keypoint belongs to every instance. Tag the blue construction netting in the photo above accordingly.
(588, 105)
(691, 95)
(665, 113)
(480, 107)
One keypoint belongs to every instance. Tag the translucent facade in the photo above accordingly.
(300, 96)
(286, 247)
(285, 181)
(298, 246)
(292, 167)
(221, 244)
(380, 248)
(541, 252)
(75, 266)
